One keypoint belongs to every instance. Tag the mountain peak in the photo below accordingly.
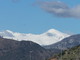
(49, 37)
(9, 31)
(56, 33)
(53, 31)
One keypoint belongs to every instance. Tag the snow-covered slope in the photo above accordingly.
(47, 38)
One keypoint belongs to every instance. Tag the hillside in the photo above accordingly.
(69, 42)
(21, 50)
(70, 54)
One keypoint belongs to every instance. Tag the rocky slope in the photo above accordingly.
(64, 44)
(69, 54)
(68, 42)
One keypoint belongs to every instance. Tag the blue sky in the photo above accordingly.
(25, 17)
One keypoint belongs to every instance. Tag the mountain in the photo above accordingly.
(69, 54)
(21, 50)
(66, 43)
(72, 54)
(49, 37)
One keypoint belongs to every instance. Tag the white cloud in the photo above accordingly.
(60, 9)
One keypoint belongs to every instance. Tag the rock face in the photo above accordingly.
(68, 42)
(64, 44)
(21, 50)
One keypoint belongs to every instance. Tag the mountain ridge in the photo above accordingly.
(22, 50)
(67, 42)
(49, 37)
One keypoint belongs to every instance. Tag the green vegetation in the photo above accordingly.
(70, 54)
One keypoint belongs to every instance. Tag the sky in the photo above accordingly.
(36, 16)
